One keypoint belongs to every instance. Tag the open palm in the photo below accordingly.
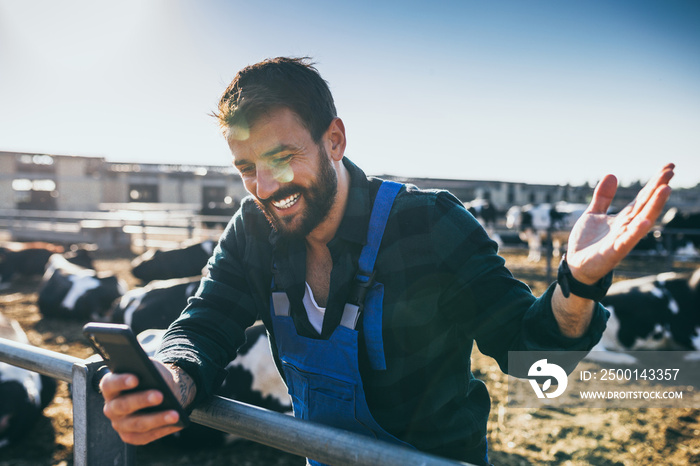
(598, 242)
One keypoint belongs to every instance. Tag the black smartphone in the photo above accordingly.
(122, 353)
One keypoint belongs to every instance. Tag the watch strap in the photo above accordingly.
(569, 285)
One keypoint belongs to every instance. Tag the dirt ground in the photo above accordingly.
(518, 436)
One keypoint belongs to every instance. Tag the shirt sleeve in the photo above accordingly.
(483, 299)
(206, 336)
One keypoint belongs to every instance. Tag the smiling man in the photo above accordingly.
(292, 177)
(373, 292)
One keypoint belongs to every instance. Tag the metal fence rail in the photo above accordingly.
(95, 442)
(114, 229)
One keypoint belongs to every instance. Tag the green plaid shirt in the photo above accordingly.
(445, 287)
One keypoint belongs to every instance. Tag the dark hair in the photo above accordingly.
(274, 83)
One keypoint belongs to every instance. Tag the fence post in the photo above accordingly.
(94, 439)
(668, 245)
(190, 228)
(549, 252)
(144, 236)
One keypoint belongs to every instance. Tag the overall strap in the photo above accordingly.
(377, 222)
(364, 279)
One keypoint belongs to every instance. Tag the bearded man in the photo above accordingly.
(373, 292)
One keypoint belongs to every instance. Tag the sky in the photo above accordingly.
(528, 91)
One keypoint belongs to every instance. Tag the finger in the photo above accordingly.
(112, 384)
(644, 220)
(145, 428)
(148, 437)
(126, 405)
(662, 178)
(603, 195)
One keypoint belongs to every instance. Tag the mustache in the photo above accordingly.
(281, 194)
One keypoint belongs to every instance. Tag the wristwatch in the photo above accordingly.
(569, 285)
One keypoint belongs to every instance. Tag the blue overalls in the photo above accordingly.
(323, 376)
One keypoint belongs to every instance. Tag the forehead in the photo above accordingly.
(279, 128)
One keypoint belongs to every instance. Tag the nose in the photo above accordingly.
(265, 183)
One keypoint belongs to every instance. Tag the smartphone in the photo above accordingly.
(120, 349)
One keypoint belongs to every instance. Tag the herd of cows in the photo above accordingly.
(655, 312)
(678, 233)
(71, 288)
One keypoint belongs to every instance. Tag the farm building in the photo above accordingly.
(75, 183)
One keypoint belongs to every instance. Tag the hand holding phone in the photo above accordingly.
(122, 353)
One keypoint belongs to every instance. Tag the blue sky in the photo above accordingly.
(531, 91)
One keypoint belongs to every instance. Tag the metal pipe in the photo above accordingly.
(319, 442)
(56, 365)
(322, 443)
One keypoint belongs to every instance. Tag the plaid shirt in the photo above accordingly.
(445, 287)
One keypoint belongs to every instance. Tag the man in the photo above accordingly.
(373, 293)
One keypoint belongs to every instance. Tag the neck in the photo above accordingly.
(325, 231)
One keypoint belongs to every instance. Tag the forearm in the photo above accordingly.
(573, 314)
(184, 387)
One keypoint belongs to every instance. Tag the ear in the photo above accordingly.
(335, 138)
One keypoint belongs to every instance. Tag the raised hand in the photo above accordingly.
(598, 242)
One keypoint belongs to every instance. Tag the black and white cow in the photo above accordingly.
(681, 232)
(483, 211)
(252, 378)
(23, 394)
(24, 260)
(154, 306)
(159, 264)
(30, 259)
(69, 290)
(536, 223)
(653, 313)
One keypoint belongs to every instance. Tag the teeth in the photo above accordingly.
(287, 202)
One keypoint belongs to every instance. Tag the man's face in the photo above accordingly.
(289, 175)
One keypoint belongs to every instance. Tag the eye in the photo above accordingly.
(281, 160)
(246, 169)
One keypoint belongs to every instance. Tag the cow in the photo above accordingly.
(538, 223)
(27, 259)
(151, 310)
(30, 259)
(154, 306)
(252, 378)
(71, 291)
(157, 264)
(681, 242)
(23, 394)
(656, 312)
(483, 211)
(650, 244)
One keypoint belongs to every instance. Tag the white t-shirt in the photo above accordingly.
(313, 310)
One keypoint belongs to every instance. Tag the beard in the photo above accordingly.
(319, 198)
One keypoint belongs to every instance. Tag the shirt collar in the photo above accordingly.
(355, 221)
